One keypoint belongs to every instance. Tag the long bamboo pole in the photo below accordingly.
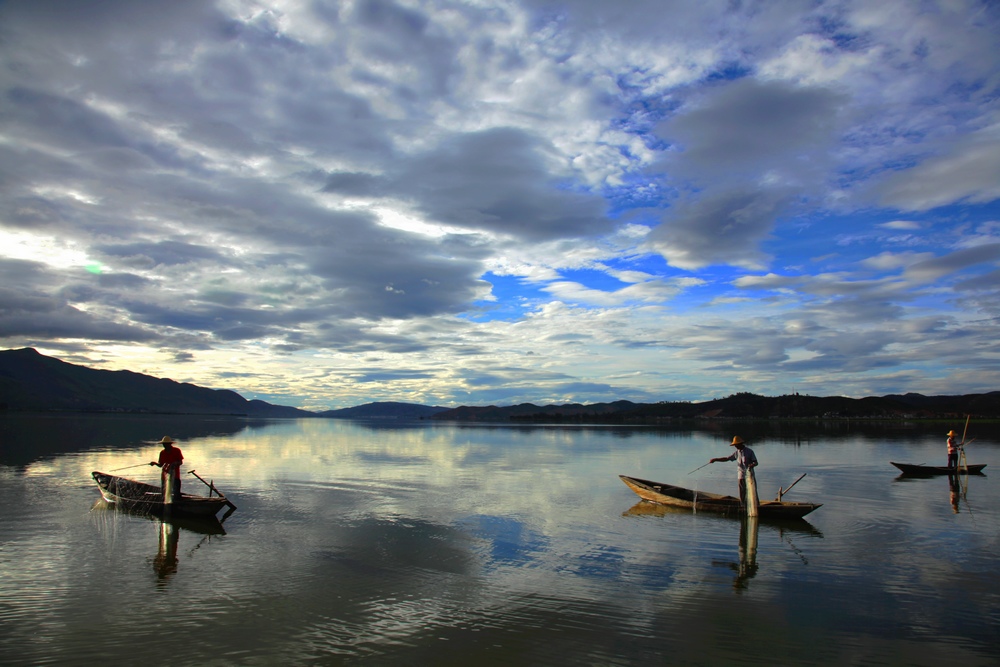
(962, 461)
(137, 465)
(700, 467)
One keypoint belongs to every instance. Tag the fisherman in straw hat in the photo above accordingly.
(745, 460)
(952, 450)
(170, 460)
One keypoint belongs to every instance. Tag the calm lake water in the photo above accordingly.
(446, 544)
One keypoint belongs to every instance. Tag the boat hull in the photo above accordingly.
(914, 470)
(148, 499)
(701, 501)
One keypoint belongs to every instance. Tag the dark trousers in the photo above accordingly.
(953, 460)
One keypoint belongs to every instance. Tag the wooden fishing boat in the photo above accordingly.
(920, 470)
(701, 501)
(146, 498)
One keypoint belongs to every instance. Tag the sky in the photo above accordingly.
(490, 202)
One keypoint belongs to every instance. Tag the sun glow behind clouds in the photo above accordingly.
(46, 250)
(394, 219)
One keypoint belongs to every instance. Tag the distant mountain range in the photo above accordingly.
(30, 381)
(383, 411)
(740, 406)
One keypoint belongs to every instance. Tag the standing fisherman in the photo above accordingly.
(170, 460)
(952, 450)
(746, 461)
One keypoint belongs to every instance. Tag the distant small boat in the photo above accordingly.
(701, 501)
(146, 498)
(920, 470)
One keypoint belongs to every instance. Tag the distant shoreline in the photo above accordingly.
(575, 421)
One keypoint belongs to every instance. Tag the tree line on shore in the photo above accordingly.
(30, 381)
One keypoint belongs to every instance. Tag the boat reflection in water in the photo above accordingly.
(746, 567)
(958, 487)
(166, 561)
(782, 525)
(958, 491)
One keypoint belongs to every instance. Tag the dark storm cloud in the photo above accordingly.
(937, 267)
(163, 253)
(31, 309)
(354, 184)
(386, 274)
(397, 34)
(37, 115)
(718, 227)
(747, 150)
(746, 127)
(500, 181)
(380, 375)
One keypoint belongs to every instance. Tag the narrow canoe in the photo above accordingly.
(920, 470)
(146, 498)
(701, 501)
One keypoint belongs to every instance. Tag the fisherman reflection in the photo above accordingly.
(747, 567)
(165, 562)
(954, 492)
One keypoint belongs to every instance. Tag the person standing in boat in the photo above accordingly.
(745, 459)
(952, 450)
(170, 461)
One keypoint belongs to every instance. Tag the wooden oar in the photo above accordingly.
(782, 492)
(211, 487)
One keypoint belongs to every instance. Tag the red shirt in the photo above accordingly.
(171, 455)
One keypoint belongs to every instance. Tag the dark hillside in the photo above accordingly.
(32, 381)
(386, 410)
(742, 406)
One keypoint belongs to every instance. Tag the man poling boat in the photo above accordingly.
(957, 463)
